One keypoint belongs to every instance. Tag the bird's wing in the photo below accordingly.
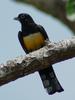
(20, 37)
(42, 30)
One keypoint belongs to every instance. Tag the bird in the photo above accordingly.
(32, 37)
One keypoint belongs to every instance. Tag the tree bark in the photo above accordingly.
(56, 8)
(24, 65)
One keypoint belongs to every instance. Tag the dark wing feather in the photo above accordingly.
(20, 37)
(42, 30)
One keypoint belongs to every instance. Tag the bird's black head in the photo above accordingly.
(24, 18)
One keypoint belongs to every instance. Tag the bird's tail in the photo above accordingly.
(50, 81)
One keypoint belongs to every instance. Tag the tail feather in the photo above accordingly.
(50, 81)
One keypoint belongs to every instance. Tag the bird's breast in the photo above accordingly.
(33, 41)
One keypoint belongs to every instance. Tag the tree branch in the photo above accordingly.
(56, 8)
(50, 54)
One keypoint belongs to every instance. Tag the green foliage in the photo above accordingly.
(70, 7)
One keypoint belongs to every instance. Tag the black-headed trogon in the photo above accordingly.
(32, 37)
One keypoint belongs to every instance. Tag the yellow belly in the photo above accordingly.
(33, 41)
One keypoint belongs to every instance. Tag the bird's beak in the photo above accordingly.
(16, 18)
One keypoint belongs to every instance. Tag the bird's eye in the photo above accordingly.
(22, 16)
